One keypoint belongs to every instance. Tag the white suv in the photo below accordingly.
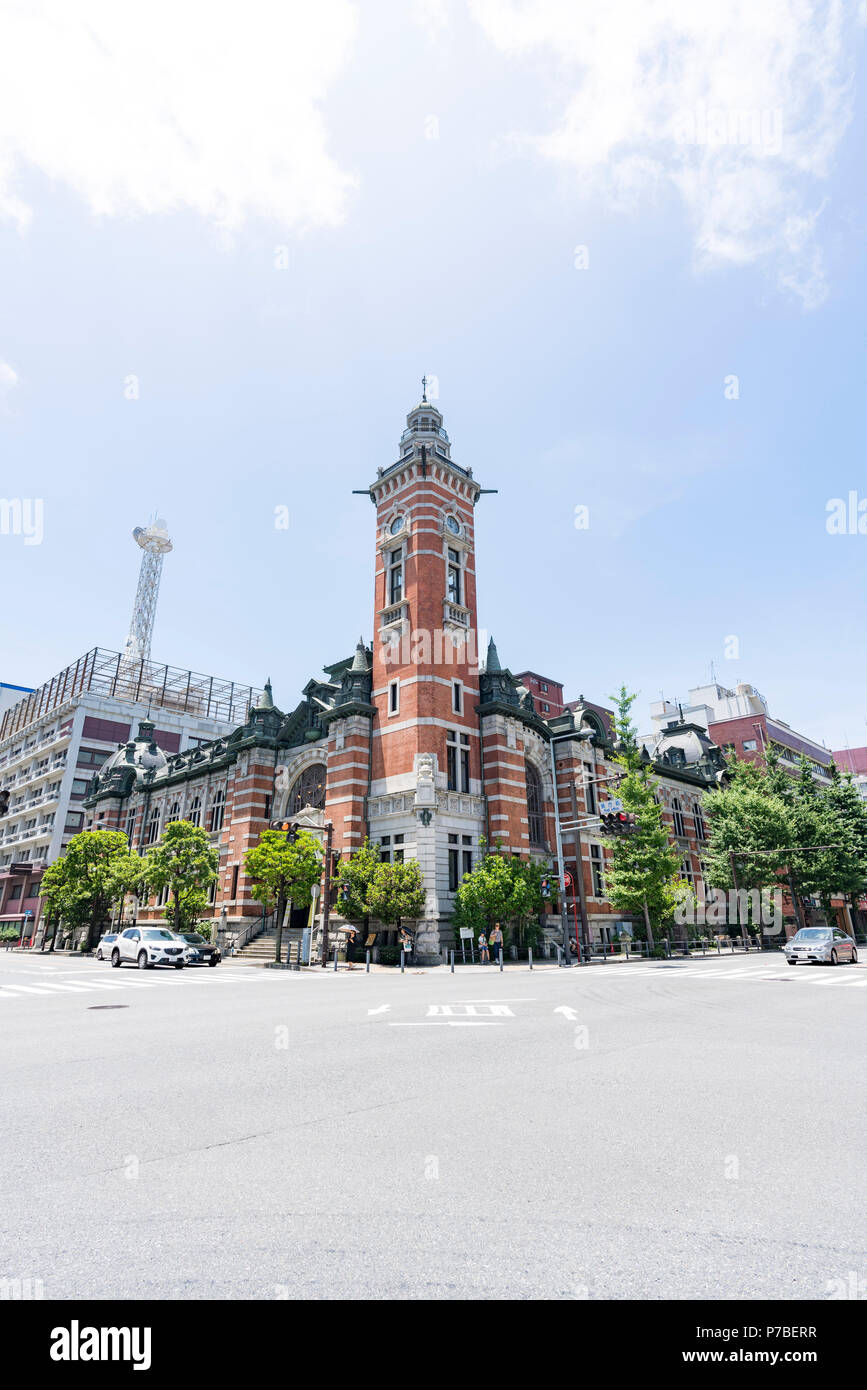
(147, 947)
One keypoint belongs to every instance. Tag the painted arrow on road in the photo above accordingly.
(383, 1009)
(566, 1012)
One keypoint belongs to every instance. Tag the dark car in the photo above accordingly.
(199, 951)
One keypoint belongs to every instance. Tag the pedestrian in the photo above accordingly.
(496, 939)
(350, 949)
(483, 949)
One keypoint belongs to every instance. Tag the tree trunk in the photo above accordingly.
(281, 908)
(651, 945)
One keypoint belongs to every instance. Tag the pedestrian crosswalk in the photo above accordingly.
(47, 981)
(841, 977)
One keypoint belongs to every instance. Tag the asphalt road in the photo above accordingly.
(682, 1130)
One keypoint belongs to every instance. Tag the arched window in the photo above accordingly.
(677, 817)
(309, 790)
(195, 816)
(174, 813)
(153, 827)
(700, 831)
(218, 807)
(534, 805)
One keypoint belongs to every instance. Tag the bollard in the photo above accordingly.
(335, 957)
(530, 956)
(402, 959)
(501, 958)
(453, 962)
(367, 961)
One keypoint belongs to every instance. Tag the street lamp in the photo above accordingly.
(576, 736)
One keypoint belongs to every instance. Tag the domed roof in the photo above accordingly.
(141, 756)
(692, 742)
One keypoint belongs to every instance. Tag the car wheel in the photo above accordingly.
(791, 962)
(142, 960)
(179, 965)
(854, 956)
(99, 955)
(834, 960)
(212, 961)
(115, 958)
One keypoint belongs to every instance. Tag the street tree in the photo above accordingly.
(396, 893)
(353, 879)
(185, 863)
(642, 876)
(283, 870)
(96, 871)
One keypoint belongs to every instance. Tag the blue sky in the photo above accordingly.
(430, 170)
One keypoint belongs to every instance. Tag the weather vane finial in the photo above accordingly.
(424, 389)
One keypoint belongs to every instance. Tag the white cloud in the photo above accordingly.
(206, 105)
(738, 106)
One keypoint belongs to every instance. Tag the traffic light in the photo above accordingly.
(618, 823)
(545, 887)
(345, 891)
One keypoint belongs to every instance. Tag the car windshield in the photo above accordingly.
(157, 936)
(813, 934)
(193, 938)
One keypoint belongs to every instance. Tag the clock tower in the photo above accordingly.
(425, 800)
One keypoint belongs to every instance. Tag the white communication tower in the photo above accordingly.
(154, 541)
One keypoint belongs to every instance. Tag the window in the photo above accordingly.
(677, 817)
(267, 808)
(700, 829)
(195, 816)
(395, 576)
(749, 745)
(457, 697)
(543, 686)
(467, 855)
(458, 763)
(130, 825)
(546, 709)
(235, 881)
(686, 872)
(218, 807)
(534, 804)
(153, 831)
(74, 820)
(596, 875)
(385, 850)
(175, 812)
(79, 787)
(309, 790)
(394, 697)
(454, 587)
(212, 892)
(398, 849)
(454, 855)
(590, 793)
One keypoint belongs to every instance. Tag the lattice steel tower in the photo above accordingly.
(154, 541)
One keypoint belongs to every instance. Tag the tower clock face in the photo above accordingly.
(453, 525)
(396, 525)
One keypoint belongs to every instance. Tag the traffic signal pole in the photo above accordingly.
(575, 737)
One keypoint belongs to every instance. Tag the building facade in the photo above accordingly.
(54, 739)
(416, 741)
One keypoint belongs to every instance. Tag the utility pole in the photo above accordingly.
(575, 736)
(326, 892)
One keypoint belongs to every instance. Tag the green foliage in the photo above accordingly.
(96, 871)
(185, 862)
(280, 870)
(642, 875)
(396, 892)
(501, 888)
(358, 872)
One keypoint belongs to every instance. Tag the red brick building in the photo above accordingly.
(412, 741)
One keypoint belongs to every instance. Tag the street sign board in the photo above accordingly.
(466, 933)
(607, 808)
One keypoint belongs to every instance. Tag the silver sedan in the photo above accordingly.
(821, 946)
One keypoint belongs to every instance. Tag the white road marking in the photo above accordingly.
(383, 1009)
(451, 1023)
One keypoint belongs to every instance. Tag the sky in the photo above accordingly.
(627, 242)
